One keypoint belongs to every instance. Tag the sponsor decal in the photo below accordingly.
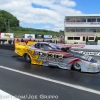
(83, 23)
(7, 35)
(49, 56)
(38, 36)
(48, 36)
(96, 23)
(88, 53)
(29, 36)
(74, 23)
(71, 45)
(85, 34)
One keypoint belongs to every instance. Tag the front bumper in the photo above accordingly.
(91, 69)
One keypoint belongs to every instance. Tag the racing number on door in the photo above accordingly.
(55, 57)
(48, 56)
(58, 57)
(51, 56)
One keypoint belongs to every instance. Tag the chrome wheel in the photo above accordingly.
(77, 66)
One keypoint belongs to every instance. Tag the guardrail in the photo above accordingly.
(93, 52)
(82, 51)
(7, 47)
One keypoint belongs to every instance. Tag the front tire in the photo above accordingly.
(77, 66)
(27, 58)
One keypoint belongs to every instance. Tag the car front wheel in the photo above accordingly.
(77, 66)
(27, 58)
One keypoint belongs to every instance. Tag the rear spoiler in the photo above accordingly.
(30, 43)
(20, 43)
(24, 44)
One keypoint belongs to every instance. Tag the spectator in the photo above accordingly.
(13, 41)
(26, 41)
(22, 40)
(17, 40)
(56, 41)
(3, 41)
(10, 41)
(51, 41)
(30, 40)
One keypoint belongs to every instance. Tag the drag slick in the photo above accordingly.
(49, 54)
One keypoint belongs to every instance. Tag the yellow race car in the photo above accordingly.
(22, 49)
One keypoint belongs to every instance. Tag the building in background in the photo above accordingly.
(78, 27)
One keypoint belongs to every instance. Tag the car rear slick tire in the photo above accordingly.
(27, 58)
(77, 66)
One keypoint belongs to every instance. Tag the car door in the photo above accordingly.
(39, 54)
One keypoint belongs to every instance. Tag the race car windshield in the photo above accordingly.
(84, 57)
(54, 46)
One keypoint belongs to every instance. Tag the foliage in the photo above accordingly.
(20, 31)
(96, 39)
(8, 22)
(87, 39)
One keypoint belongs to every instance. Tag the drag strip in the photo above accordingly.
(54, 81)
(18, 81)
(31, 88)
(70, 76)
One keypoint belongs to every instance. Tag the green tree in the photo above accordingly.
(87, 39)
(2, 24)
(7, 20)
(96, 39)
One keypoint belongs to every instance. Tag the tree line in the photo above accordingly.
(9, 23)
(7, 20)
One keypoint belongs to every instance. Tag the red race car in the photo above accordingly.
(49, 54)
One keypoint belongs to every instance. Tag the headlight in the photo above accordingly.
(99, 62)
(91, 64)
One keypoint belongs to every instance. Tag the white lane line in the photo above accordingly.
(7, 96)
(54, 81)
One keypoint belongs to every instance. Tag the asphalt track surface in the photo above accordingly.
(19, 84)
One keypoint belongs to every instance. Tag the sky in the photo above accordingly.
(48, 14)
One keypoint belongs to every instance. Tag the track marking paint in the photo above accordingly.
(54, 81)
(7, 96)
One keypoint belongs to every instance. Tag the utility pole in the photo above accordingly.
(8, 26)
